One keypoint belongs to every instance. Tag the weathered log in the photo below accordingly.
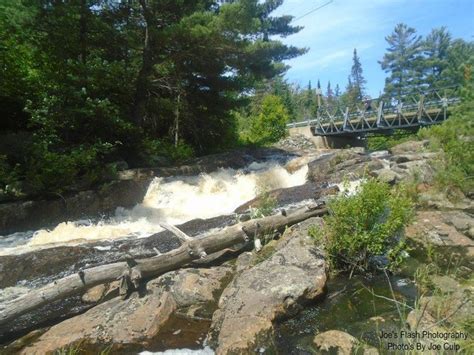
(190, 250)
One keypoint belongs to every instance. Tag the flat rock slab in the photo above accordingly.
(341, 343)
(436, 228)
(273, 289)
(135, 323)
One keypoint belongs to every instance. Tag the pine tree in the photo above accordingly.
(309, 103)
(358, 80)
(329, 95)
(402, 61)
(461, 63)
(435, 62)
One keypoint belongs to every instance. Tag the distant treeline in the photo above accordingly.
(413, 65)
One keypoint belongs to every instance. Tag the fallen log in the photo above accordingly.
(131, 272)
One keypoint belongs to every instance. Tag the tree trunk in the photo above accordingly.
(131, 272)
(83, 31)
(141, 86)
(176, 118)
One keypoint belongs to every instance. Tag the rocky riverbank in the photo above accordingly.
(126, 189)
(235, 302)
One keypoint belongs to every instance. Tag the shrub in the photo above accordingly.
(268, 123)
(8, 178)
(56, 171)
(366, 224)
(455, 168)
(153, 148)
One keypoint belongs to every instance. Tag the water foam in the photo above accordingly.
(176, 201)
(205, 351)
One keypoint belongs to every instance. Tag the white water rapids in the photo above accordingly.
(171, 200)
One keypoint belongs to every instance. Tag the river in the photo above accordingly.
(172, 200)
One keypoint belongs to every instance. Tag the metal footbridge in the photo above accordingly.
(382, 115)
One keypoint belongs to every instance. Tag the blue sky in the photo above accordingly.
(332, 33)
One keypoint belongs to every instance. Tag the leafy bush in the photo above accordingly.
(53, 171)
(154, 148)
(8, 178)
(365, 225)
(455, 137)
(267, 124)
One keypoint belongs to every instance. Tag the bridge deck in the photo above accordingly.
(423, 112)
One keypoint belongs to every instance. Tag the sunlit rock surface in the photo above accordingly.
(275, 288)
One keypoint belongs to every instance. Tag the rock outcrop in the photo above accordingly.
(341, 343)
(293, 274)
(437, 228)
(134, 323)
(409, 147)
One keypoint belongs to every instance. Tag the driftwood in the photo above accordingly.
(131, 272)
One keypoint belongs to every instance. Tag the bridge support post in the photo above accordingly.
(338, 142)
(327, 142)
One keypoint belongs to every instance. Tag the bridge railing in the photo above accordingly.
(416, 109)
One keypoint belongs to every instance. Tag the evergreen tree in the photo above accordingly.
(105, 80)
(309, 103)
(358, 80)
(402, 61)
(337, 92)
(435, 62)
(283, 90)
(329, 95)
(461, 63)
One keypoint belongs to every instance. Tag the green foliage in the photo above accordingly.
(53, 171)
(365, 225)
(436, 49)
(357, 79)
(134, 76)
(401, 61)
(268, 121)
(265, 207)
(455, 168)
(162, 148)
(8, 178)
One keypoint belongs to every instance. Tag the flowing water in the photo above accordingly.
(349, 306)
(171, 200)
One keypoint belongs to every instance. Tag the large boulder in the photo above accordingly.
(341, 343)
(387, 175)
(431, 228)
(450, 305)
(335, 166)
(136, 322)
(409, 147)
(435, 200)
(294, 273)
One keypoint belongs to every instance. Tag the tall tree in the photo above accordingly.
(105, 80)
(309, 102)
(17, 74)
(402, 61)
(283, 90)
(329, 94)
(337, 91)
(461, 63)
(357, 78)
(435, 62)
